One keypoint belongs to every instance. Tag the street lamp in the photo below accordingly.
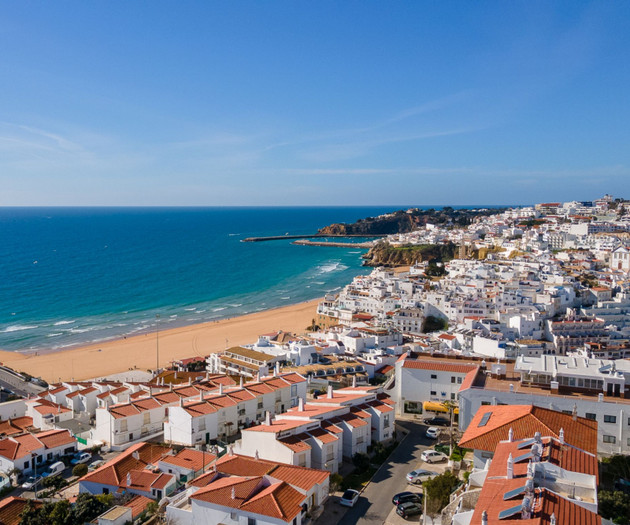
(157, 344)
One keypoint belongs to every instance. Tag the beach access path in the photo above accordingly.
(140, 352)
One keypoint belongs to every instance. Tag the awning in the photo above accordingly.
(434, 406)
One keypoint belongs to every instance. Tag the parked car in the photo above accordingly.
(349, 498)
(439, 421)
(81, 457)
(432, 432)
(96, 464)
(419, 475)
(54, 470)
(431, 456)
(406, 510)
(31, 482)
(405, 497)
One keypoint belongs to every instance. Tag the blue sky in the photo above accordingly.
(313, 103)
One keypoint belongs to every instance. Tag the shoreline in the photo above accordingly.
(140, 351)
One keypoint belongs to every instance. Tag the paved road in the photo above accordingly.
(375, 503)
(17, 385)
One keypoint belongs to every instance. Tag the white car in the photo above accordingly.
(432, 432)
(83, 457)
(349, 498)
(431, 456)
(31, 482)
(419, 475)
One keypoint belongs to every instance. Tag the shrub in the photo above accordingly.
(80, 470)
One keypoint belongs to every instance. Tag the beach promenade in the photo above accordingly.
(141, 351)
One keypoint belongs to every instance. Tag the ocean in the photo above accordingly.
(71, 276)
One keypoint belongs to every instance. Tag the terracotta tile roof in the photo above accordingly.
(73, 394)
(385, 369)
(16, 425)
(312, 410)
(56, 438)
(546, 503)
(323, 436)
(138, 504)
(58, 390)
(301, 477)
(279, 500)
(256, 495)
(329, 426)
(278, 425)
(259, 388)
(114, 472)
(194, 460)
(293, 378)
(565, 456)
(525, 420)
(469, 379)
(360, 413)
(12, 507)
(296, 443)
(88, 390)
(380, 406)
(200, 408)
(438, 366)
(351, 420)
(241, 395)
(385, 399)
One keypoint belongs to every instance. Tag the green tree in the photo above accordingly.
(437, 492)
(80, 470)
(450, 406)
(614, 505)
(434, 324)
(61, 513)
(87, 508)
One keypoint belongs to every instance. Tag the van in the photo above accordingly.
(55, 469)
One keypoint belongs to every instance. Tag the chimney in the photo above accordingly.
(537, 437)
(233, 492)
(510, 467)
(181, 401)
(171, 387)
(278, 367)
(552, 519)
(561, 436)
(256, 455)
(600, 397)
(300, 405)
(330, 391)
(220, 389)
(258, 376)
(207, 376)
(241, 382)
(354, 381)
(530, 469)
(135, 455)
(268, 418)
(200, 395)
(484, 518)
(574, 413)
(511, 435)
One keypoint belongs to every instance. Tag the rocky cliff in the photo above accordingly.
(384, 254)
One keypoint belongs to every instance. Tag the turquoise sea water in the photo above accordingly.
(75, 275)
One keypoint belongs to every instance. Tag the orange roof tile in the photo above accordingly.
(525, 420)
(296, 443)
(12, 507)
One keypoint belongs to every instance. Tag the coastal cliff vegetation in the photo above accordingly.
(384, 254)
(403, 221)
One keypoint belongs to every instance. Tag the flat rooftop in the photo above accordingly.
(512, 378)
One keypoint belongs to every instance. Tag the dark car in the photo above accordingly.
(405, 510)
(439, 421)
(406, 497)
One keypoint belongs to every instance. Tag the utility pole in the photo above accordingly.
(157, 344)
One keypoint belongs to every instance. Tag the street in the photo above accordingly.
(375, 504)
(17, 385)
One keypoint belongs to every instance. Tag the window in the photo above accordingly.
(610, 439)
(293, 390)
(610, 419)
(567, 412)
(251, 521)
(590, 415)
(260, 405)
(453, 379)
(146, 420)
(433, 393)
(433, 376)
(459, 380)
(452, 397)
(484, 403)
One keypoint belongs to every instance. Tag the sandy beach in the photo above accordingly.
(140, 351)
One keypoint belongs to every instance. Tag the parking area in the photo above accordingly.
(395, 519)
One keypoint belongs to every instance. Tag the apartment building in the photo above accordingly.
(209, 416)
(29, 452)
(245, 490)
(595, 389)
(239, 361)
